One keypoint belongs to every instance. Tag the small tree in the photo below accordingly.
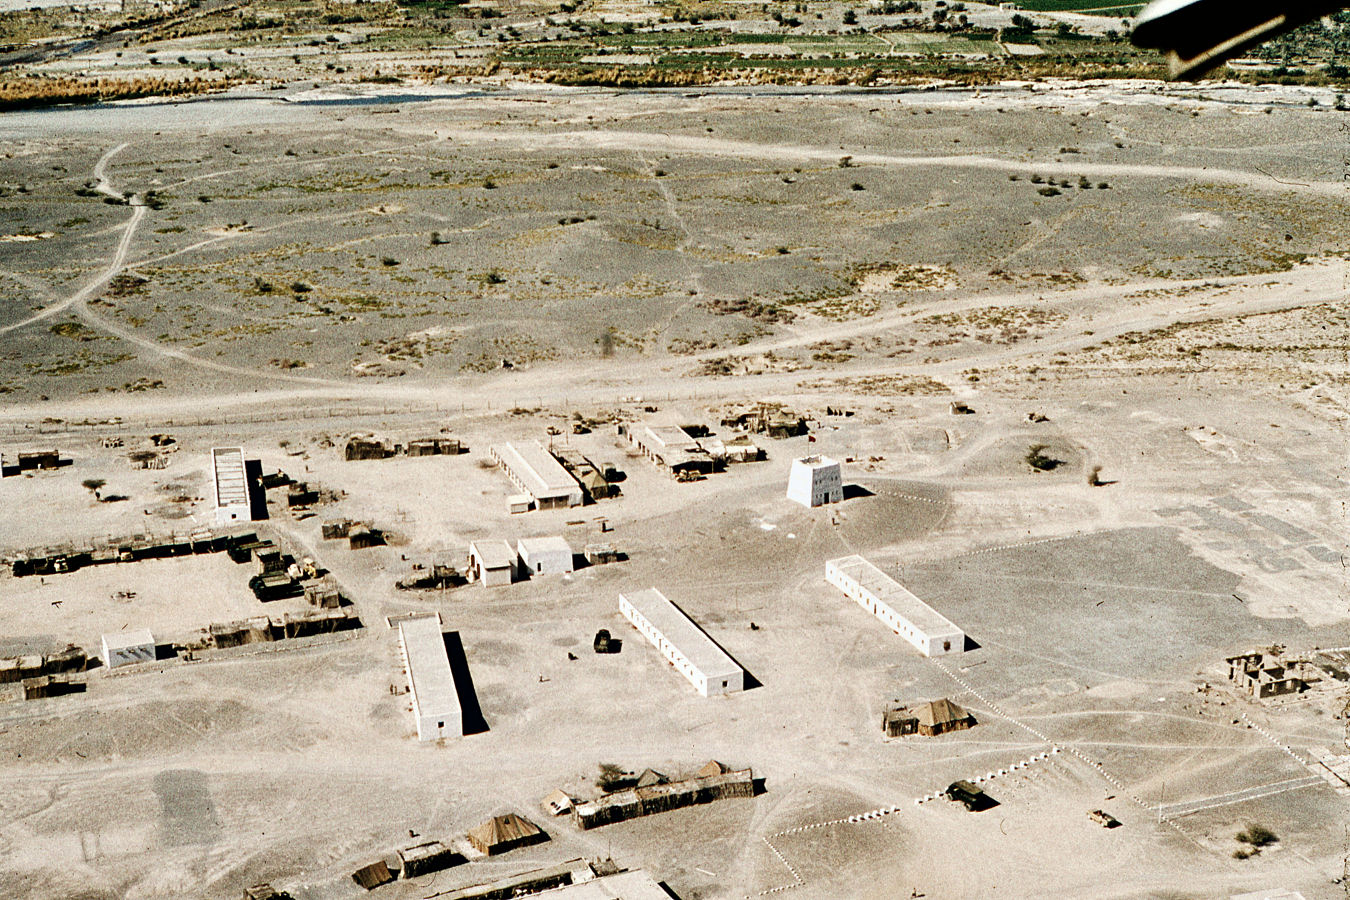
(611, 777)
(93, 484)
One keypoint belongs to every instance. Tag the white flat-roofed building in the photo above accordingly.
(908, 616)
(492, 562)
(815, 481)
(682, 643)
(127, 647)
(231, 485)
(635, 884)
(545, 555)
(663, 441)
(534, 471)
(431, 682)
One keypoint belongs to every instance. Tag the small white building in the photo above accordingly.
(231, 485)
(535, 471)
(908, 616)
(682, 643)
(662, 442)
(431, 682)
(492, 562)
(545, 555)
(127, 647)
(815, 481)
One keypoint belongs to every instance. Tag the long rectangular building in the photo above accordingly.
(535, 471)
(908, 616)
(430, 679)
(658, 798)
(231, 485)
(683, 643)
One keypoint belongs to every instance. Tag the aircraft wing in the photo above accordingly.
(1198, 35)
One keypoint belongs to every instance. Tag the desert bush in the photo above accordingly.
(1257, 835)
(1037, 459)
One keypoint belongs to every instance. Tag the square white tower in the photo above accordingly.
(815, 481)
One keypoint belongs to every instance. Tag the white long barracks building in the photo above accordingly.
(430, 679)
(684, 645)
(908, 616)
(535, 471)
(232, 504)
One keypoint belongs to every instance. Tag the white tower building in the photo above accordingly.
(815, 481)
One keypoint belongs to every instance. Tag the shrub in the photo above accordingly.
(1257, 836)
(1037, 459)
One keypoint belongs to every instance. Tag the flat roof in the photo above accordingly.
(683, 633)
(493, 554)
(433, 684)
(536, 467)
(671, 437)
(121, 640)
(816, 462)
(634, 885)
(896, 596)
(554, 543)
(231, 484)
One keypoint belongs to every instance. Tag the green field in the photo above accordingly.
(1091, 7)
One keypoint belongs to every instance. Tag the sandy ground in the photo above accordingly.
(1156, 329)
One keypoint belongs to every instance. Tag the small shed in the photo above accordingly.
(545, 555)
(362, 536)
(558, 802)
(651, 778)
(264, 891)
(367, 447)
(324, 595)
(518, 503)
(268, 560)
(372, 876)
(335, 528)
(502, 833)
(899, 722)
(492, 562)
(127, 647)
(431, 856)
(712, 769)
(434, 447)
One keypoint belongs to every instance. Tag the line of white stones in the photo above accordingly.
(1274, 740)
(1055, 748)
(797, 880)
(990, 776)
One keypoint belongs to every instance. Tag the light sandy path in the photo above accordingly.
(705, 146)
(119, 256)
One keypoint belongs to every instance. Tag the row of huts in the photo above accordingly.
(497, 835)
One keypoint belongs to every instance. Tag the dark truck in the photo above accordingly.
(968, 794)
